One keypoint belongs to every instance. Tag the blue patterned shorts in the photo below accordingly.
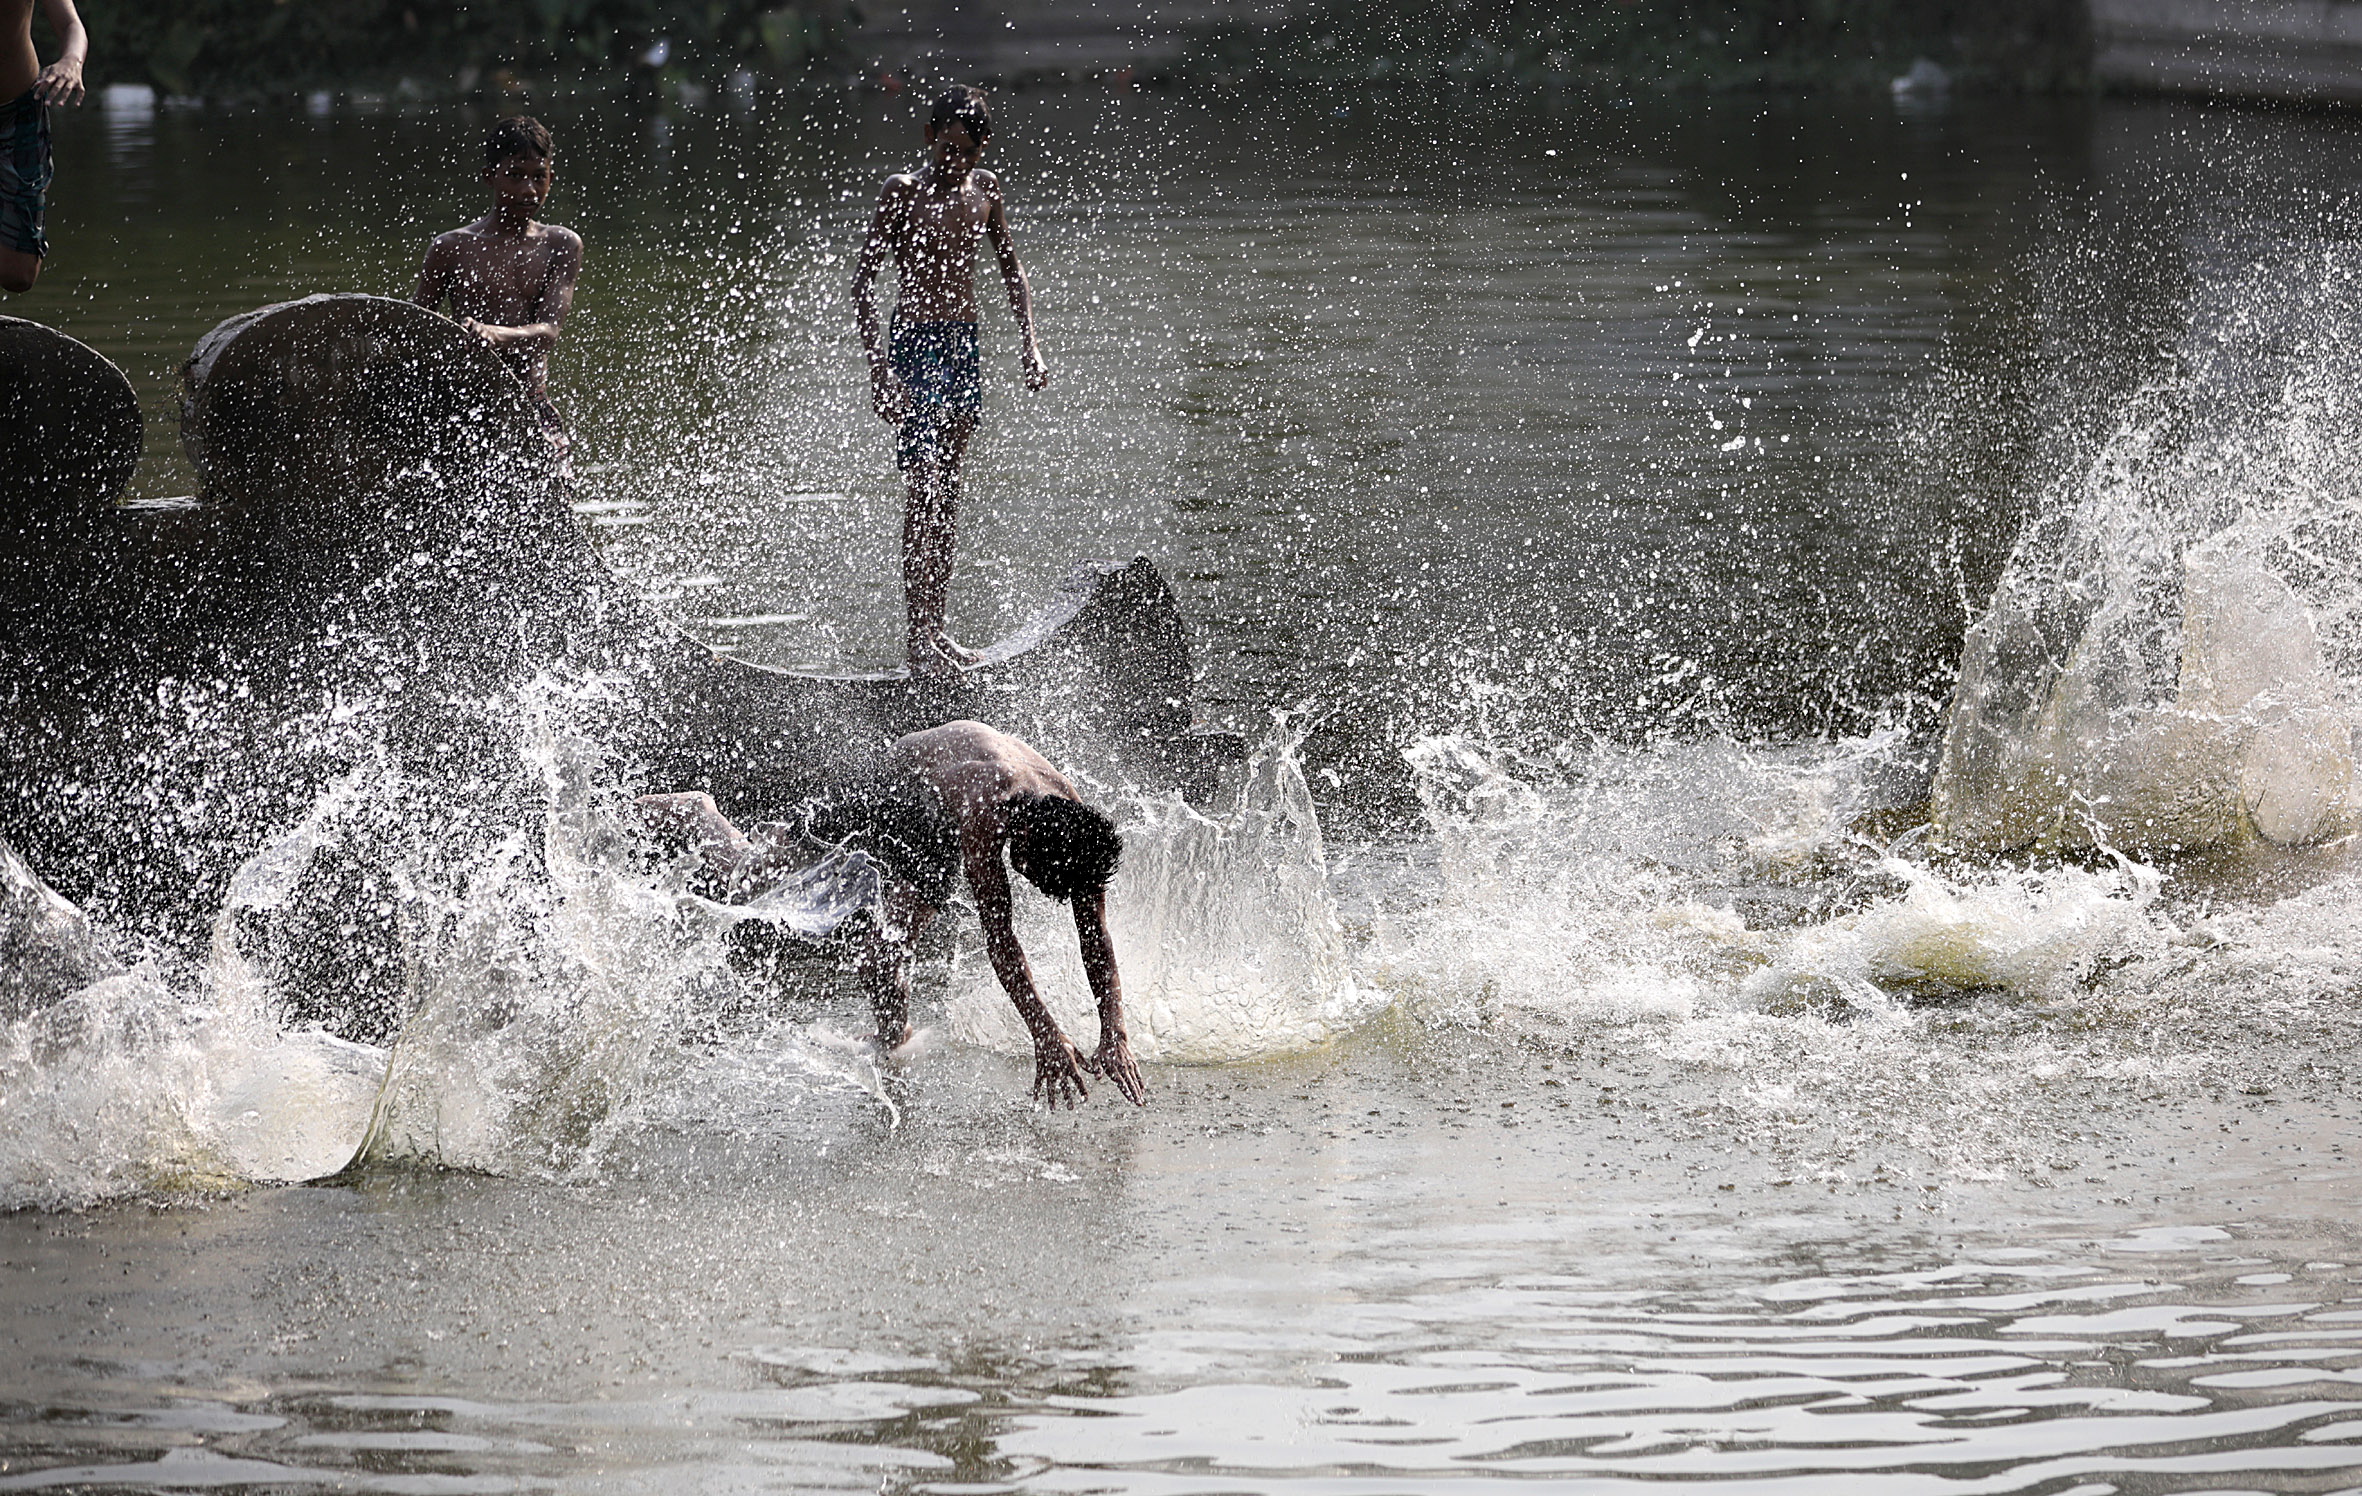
(939, 369)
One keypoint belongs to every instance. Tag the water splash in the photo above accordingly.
(2017, 934)
(2171, 655)
(1225, 930)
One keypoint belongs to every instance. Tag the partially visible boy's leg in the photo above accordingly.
(888, 954)
(24, 192)
(930, 536)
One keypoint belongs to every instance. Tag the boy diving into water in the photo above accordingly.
(510, 279)
(925, 379)
(27, 90)
(947, 801)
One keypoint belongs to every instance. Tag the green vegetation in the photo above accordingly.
(215, 46)
(2015, 45)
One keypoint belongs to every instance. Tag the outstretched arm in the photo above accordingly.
(1057, 1065)
(996, 224)
(1114, 1059)
(61, 81)
(886, 395)
(434, 276)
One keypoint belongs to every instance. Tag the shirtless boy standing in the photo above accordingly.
(946, 803)
(926, 379)
(510, 279)
(27, 89)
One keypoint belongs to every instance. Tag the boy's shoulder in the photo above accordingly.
(459, 240)
(475, 235)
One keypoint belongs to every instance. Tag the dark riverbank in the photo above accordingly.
(246, 47)
(231, 48)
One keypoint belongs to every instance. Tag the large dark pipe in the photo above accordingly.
(380, 524)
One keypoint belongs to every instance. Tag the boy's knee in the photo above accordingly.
(16, 280)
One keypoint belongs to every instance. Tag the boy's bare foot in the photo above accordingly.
(940, 659)
(898, 1053)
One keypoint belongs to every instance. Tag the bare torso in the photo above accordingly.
(19, 64)
(508, 280)
(933, 232)
(979, 772)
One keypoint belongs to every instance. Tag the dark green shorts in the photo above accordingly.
(24, 174)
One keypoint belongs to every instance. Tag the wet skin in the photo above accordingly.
(57, 85)
(928, 221)
(981, 775)
(510, 279)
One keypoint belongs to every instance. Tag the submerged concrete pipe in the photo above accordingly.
(1102, 674)
(308, 414)
(380, 523)
(69, 442)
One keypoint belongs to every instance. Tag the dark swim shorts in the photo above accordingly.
(939, 370)
(900, 820)
(24, 174)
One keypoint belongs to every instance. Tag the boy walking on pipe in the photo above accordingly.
(924, 376)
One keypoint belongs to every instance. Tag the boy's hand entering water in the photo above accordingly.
(1037, 373)
(1114, 1062)
(1058, 1072)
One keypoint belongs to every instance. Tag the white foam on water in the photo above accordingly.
(1708, 915)
(131, 1086)
(143, 1083)
(2020, 934)
(1592, 886)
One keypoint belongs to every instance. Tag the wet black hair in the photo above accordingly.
(1070, 850)
(521, 136)
(962, 105)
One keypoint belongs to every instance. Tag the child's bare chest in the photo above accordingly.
(945, 223)
(504, 275)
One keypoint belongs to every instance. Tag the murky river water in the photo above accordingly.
(1607, 1091)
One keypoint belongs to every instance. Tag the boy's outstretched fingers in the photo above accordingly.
(1058, 1073)
(1114, 1061)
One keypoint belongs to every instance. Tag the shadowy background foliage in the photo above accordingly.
(2018, 45)
(195, 46)
(213, 46)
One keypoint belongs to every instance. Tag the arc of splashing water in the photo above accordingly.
(2254, 744)
(371, 473)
